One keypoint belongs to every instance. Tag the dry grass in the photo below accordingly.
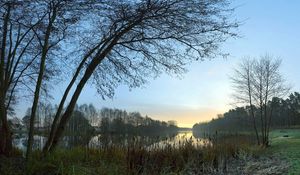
(215, 157)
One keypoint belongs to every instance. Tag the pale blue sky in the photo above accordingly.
(270, 26)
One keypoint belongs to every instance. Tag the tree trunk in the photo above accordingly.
(251, 106)
(265, 107)
(67, 114)
(262, 125)
(261, 109)
(100, 55)
(254, 123)
(62, 102)
(34, 106)
(269, 123)
(39, 84)
(6, 135)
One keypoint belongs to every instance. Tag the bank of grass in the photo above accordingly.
(285, 143)
(185, 158)
(229, 154)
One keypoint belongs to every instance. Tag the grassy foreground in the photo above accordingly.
(185, 158)
(229, 155)
(285, 143)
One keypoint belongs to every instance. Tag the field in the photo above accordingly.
(286, 144)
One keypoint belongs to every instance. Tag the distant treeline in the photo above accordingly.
(133, 123)
(106, 120)
(285, 113)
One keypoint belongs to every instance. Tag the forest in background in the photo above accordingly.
(86, 119)
(285, 114)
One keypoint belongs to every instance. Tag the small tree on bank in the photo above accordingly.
(256, 82)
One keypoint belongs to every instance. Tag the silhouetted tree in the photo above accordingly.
(257, 82)
(242, 81)
(17, 55)
(120, 42)
(50, 32)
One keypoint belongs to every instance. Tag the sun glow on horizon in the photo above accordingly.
(185, 117)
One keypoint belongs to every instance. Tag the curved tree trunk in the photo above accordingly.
(62, 102)
(67, 114)
(101, 54)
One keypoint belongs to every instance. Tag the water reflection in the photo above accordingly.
(100, 141)
(21, 142)
(180, 139)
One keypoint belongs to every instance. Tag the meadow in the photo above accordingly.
(285, 144)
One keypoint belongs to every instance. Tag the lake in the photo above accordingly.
(99, 141)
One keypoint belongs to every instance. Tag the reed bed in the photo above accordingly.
(184, 157)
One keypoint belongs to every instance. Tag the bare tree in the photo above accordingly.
(268, 83)
(120, 42)
(136, 40)
(257, 82)
(242, 85)
(17, 56)
(50, 33)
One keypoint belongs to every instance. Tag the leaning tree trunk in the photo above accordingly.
(62, 102)
(100, 55)
(67, 114)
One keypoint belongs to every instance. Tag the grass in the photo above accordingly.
(77, 161)
(285, 144)
(185, 158)
(226, 152)
(287, 147)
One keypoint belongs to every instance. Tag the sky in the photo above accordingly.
(268, 26)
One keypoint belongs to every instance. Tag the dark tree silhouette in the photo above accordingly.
(135, 40)
(17, 55)
(242, 83)
(121, 122)
(51, 31)
(256, 82)
(113, 42)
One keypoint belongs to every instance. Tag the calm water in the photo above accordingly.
(99, 141)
